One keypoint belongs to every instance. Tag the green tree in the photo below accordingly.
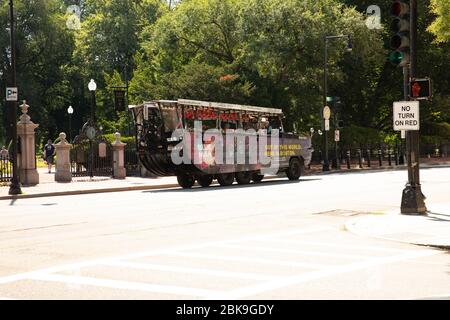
(106, 44)
(441, 25)
(44, 48)
(273, 49)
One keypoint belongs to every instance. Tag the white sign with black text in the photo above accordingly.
(11, 94)
(406, 115)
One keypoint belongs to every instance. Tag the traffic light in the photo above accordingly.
(420, 89)
(400, 26)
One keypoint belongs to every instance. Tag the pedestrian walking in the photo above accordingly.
(49, 154)
(4, 154)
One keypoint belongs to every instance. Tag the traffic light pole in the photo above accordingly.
(14, 187)
(326, 164)
(413, 201)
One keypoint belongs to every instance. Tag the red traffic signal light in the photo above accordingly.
(399, 8)
(400, 41)
(420, 89)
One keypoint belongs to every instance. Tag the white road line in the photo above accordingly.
(252, 260)
(315, 275)
(27, 275)
(334, 245)
(293, 251)
(203, 272)
(127, 285)
(5, 298)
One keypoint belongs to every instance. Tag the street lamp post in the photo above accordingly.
(92, 86)
(70, 112)
(326, 164)
(14, 187)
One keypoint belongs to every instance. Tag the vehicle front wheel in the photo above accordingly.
(205, 181)
(256, 177)
(243, 177)
(294, 171)
(185, 181)
(225, 179)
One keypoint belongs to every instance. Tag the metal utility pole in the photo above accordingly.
(14, 188)
(413, 201)
(326, 164)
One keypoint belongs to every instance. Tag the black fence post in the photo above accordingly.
(368, 157)
(389, 156)
(348, 158)
(380, 156)
(360, 158)
(396, 154)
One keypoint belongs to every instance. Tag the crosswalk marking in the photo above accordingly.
(263, 282)
(314, 275)
(200, 271)
(294, 251)
(127, 285)
(251, 260)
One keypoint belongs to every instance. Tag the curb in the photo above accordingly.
(378, 169)
(350, 227)
(100, 190)
(90, 191)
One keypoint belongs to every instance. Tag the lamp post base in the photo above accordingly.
(14, 188)
(326, 166)
(413, 201)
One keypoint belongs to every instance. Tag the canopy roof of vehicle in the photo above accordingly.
(215, 105)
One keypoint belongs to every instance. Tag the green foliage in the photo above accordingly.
(259, 52)
(355, 136)
(441, 25)
(124, 139)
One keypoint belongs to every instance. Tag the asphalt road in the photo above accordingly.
(274, 240)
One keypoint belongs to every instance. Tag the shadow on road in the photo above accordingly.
(234, 186)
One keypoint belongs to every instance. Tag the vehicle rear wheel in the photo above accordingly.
(294, 171)
(185, 181)
(243, 177)
(256, 177)
(225, 179)
(205, 181)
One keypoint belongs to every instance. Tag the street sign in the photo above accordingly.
(420, 89)
(327, 125)
(336, 135)
(12, 94)
(326, 113)
(406, 115)
(119, 100)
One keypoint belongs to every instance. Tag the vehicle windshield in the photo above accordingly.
(171, 119)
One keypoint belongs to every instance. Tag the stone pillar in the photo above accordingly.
(63, 173)
(118, 158)
(26, 157)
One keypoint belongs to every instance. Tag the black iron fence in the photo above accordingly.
(5, 169)
(131, 160)
(364, 156)
(91, 158)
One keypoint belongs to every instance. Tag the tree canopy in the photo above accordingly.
(260, 52)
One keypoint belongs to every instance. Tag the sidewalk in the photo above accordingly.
(432, 229)
(85, 185)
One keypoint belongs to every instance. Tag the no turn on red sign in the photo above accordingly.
(406, 115)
